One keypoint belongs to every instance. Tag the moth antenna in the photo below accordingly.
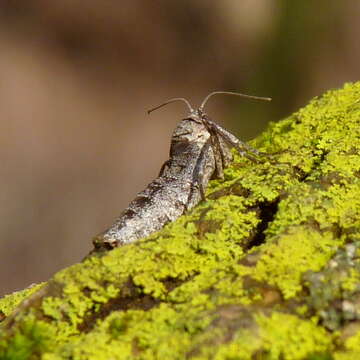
(170, 101)
(232, 93)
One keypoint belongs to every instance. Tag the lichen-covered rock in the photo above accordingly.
(267, 268)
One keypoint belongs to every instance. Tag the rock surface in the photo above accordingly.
(267, 268)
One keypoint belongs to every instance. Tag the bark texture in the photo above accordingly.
(267, 268)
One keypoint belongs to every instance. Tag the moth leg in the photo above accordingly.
(253, 150)
(218, 155)
(225, 154)
(234, 141)
(198, 174)
(222, 154)
(238, 145)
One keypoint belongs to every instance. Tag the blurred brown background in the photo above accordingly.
(76, 79)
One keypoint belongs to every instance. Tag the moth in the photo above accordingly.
(199, 151)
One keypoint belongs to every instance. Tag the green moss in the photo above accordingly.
(32, 338)
(286, 336)
(351, 348)
(123, 335)
(353, 343)
(285, 259)
(348, 355)
(280, 336)
(9, 302)
(352, 281)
